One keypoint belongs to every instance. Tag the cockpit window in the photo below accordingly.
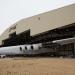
(32, 47)
(20, 48)
(25, 48)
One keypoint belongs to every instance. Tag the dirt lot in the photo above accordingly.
(37, 66)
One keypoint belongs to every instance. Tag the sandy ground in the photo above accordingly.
(37, 66)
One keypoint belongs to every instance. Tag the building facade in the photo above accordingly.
(52, 24)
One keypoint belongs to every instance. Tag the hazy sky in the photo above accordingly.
(13, 10)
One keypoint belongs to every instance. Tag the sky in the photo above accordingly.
(12, 11)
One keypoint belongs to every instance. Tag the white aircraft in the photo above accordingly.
(23, 50)
(32, 49)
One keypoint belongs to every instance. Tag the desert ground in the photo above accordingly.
(37, 66)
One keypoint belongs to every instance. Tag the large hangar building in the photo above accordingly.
(52, 25)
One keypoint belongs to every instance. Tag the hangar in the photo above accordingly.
(49, 26)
